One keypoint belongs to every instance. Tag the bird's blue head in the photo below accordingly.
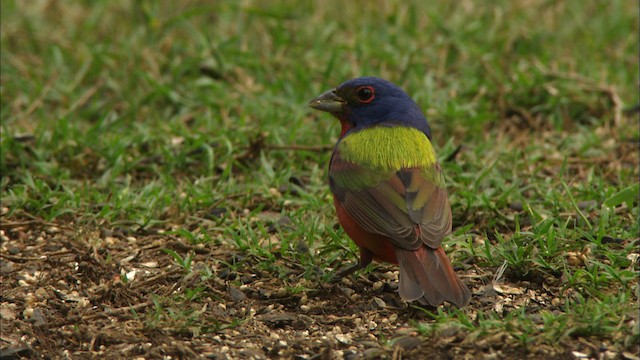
(368, 101)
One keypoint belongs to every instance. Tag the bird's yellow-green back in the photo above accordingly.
(377, 153)
(388, 148)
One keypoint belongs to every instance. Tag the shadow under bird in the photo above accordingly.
(388, 188)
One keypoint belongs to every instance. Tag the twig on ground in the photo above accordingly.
(591, 85)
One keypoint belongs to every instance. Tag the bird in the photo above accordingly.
(389, 190)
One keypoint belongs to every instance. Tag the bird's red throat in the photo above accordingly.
(344, 121)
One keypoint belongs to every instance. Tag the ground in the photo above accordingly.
(70, 300)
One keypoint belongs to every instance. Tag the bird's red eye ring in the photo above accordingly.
(365, 94)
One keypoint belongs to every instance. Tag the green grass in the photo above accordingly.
(176, 117)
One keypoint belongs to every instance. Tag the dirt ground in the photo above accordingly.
(63, 297)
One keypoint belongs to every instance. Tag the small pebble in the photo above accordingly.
(378, 303)
(38, 318)
(7, 314)
(236, 294)
(52, 230)
(41, 294)
(6, 267)
(408, 342)
(27, 312)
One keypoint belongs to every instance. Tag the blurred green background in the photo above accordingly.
(191, 118)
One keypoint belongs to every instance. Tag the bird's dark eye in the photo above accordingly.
(365, 94)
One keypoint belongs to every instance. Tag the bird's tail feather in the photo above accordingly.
(426, 275)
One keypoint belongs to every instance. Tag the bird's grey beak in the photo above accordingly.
(328, 101)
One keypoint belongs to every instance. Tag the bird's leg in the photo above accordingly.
(366, 257)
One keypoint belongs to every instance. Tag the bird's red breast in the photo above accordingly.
(379, 245)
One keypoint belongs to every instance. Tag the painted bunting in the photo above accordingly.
(388, 188)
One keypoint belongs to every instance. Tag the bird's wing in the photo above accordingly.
(410, 206)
